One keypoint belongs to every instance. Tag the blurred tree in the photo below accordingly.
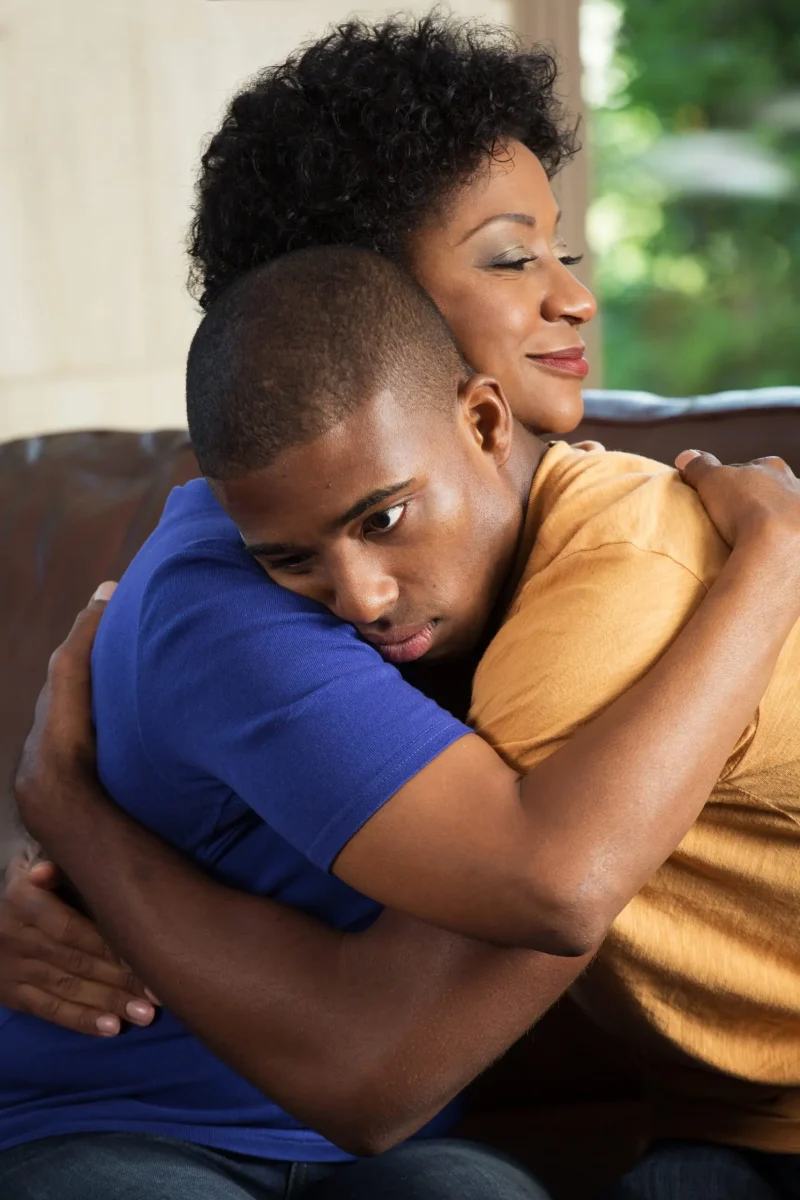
(696, 221)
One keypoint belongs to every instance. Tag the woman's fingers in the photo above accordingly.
(66, 1013)
(32, 903)
(55, 964)
(42, 979)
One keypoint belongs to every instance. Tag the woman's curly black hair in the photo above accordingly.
(356, 137)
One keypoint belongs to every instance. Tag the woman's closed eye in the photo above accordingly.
(384, 521)
(513, 264)
(519, 264)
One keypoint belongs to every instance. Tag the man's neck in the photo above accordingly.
(527, 451)
(449, 682)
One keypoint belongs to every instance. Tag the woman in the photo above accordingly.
(433, 145)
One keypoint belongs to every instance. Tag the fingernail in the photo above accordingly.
(140, 1012)
(105, 591)
(108, 1026)
(154, 999)
(685, 457)
(41, 868)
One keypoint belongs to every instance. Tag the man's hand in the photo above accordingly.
(54, 963)
(757, 501)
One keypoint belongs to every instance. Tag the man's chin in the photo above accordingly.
(453, 647)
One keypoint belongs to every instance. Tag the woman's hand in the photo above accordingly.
(756, 502)
(58, 759)
(54, 963)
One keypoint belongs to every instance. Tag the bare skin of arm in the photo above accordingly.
(366, 1036)
(549, 862)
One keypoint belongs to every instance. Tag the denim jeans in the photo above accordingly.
(703, 1171)
(124, 1166)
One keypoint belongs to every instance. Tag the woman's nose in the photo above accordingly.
(568, 299)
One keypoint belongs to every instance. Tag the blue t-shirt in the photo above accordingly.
(257, 733)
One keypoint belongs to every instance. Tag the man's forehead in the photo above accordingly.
(331, 479)
(306, 499)
(356, 457)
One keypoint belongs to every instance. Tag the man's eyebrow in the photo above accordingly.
(275, 549)
(272, 549)
(367, 502)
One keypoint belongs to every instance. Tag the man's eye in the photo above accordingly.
(382, 522)
(294, 563)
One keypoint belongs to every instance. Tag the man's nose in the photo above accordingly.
(363, 597)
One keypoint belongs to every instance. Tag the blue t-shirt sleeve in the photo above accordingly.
(246, 683)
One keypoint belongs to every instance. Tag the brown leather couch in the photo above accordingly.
(74, 508)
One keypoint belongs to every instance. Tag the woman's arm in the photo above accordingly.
(365, 1036)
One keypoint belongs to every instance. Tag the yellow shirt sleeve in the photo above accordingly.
(579, 633)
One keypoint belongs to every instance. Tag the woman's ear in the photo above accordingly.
(487, 414)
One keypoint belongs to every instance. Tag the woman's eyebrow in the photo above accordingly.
(515, 218)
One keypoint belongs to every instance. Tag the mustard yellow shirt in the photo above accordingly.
(701, 972)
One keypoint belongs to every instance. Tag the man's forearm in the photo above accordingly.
(673, 732)
(362, 1036)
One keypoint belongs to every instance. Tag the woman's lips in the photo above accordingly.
(567, 362)
(402, 646)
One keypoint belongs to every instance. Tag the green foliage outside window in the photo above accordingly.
(696, 218)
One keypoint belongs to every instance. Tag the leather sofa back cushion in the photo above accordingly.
(75, 507)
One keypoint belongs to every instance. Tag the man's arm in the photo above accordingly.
(587, 827)
(584, 830)
(364, 1037)
(372, 1035)
(368, 779)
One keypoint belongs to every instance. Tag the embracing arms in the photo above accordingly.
(364, 1036)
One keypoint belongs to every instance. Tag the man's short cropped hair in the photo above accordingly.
(295, 347)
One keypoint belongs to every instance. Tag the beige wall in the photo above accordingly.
(103, 107)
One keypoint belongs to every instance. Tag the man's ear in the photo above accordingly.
(489, 419)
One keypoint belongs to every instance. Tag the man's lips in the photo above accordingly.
(404, 644)
(569, 361)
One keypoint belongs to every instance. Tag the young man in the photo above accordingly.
(412, 515)
(546, 866)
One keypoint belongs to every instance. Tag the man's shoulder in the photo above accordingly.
(195, 624)
(193, 525)
(193, 590)
(599, 499)
(195, 555)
